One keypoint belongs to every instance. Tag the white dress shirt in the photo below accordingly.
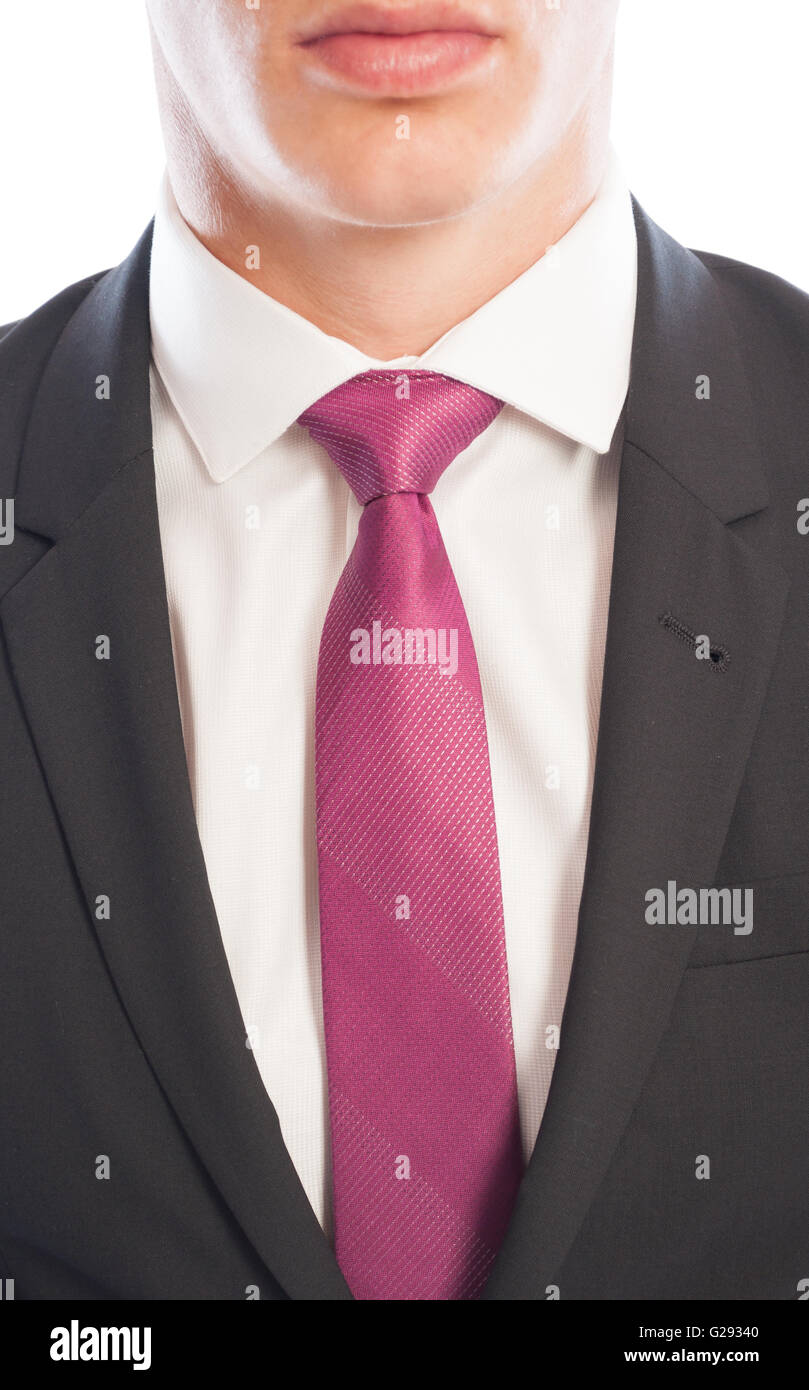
(256, 524)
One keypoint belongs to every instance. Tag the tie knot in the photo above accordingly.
(396, 431)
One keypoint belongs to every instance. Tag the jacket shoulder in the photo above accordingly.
(770, 317)
(42, 326)
(25, 347)
(771, 307)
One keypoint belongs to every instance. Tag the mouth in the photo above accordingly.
(414, 51)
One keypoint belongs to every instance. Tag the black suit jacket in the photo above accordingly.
(123, 1037)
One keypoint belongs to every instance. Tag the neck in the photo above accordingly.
(389, 291)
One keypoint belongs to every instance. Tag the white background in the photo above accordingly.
(711, 123)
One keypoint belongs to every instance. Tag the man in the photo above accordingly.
(358, 939)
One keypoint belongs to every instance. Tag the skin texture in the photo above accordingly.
(383, 241)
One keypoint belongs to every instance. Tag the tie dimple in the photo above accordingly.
(426, 1155)
(393, 432)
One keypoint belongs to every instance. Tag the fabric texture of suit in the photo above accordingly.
(122, 1037)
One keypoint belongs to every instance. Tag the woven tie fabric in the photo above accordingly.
(426, 1155)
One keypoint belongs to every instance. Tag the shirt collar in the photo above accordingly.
(556, 343)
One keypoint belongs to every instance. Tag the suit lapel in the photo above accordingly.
(109, 738)
(674, 733)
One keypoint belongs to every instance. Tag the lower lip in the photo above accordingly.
(398, 64)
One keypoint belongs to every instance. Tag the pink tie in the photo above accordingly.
(426, 1154)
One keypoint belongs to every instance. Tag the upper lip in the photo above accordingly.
(402, 19)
